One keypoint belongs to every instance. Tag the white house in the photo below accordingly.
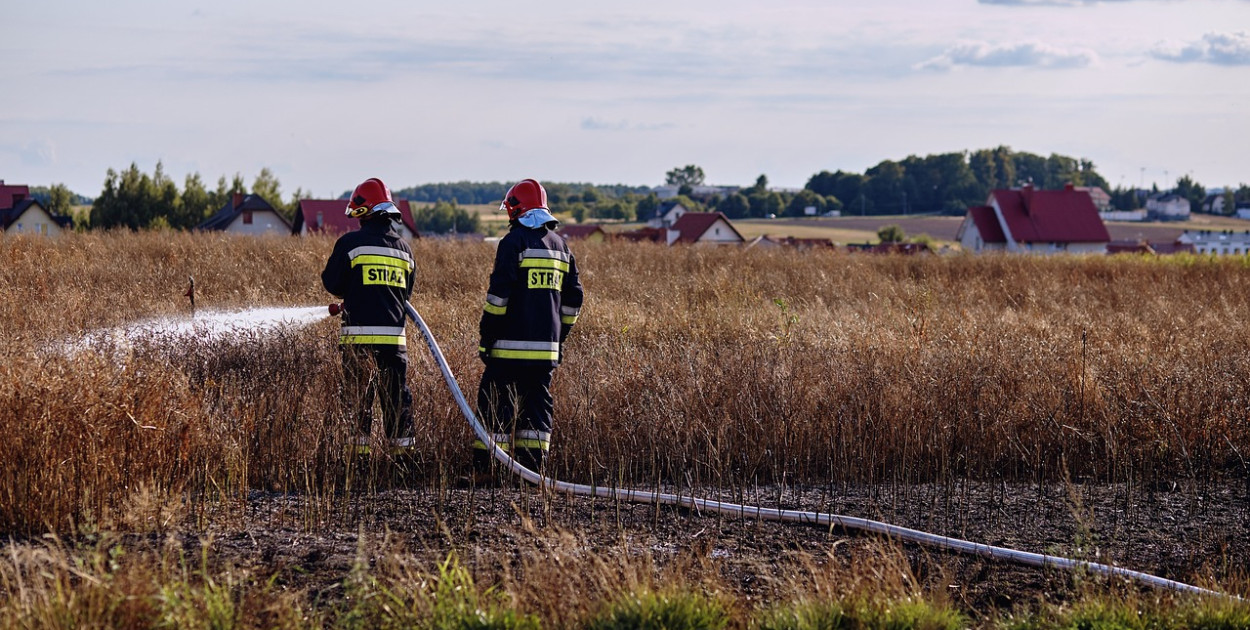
(1034, 221)
(1123, 215)
(21, 214)
(666, 214)
(1167, 207)
(705, 228)
(247, 214)
(1217, 242)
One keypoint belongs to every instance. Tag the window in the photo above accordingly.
(320, 218)
(247, 217)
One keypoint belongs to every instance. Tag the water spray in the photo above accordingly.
(791, 516)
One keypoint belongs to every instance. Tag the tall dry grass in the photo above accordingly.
(717, 367)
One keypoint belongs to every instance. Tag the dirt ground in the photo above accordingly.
(1184, 531)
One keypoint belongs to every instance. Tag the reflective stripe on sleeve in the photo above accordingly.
(568, 315)
(495, 305)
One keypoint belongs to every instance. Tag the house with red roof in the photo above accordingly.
(328, 216)
(583, 232)
(1027, 220)
(704, 228)
(247, 214)
(22, 214)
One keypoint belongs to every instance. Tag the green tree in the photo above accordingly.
(891, 234)
(446, 217)
(735, 206)
(60, 200)
(267, 186)
(805, 199)
(646, 207)
(197, 203)
(993, 169)
(885, 189)
(1193, 191)
(688, 175)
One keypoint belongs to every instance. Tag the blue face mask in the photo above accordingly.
(536, 218)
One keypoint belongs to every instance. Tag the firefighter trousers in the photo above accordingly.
(377, 371)
(515, 404)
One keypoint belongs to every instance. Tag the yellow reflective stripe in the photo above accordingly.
(478, 444)
(495, 310)
(544, 445)
(377, 340)
(385, 261)
(534, 355)
(544, 263)
(568, 319)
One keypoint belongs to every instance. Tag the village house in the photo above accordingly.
(327, 216)
(1167, 207)
(704, 228)
(665, 215)
(1027, 220)
(22, 214)
(583, 232)
(1217, 242)
(247, 214)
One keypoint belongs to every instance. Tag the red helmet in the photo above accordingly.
(524, 196)
(370, 197)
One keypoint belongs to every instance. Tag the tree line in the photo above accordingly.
(944, 183)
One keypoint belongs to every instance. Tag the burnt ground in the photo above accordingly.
(1188, 532)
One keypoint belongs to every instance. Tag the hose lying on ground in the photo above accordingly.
(771, 514)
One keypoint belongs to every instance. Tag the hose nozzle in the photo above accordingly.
(335, 309)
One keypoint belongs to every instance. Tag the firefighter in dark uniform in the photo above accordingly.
(372, 270)
(533, 301)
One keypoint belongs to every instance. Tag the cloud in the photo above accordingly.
(38, 153)
(1221, 49)
(1046, 3)
(596, 124)
(1022, 54)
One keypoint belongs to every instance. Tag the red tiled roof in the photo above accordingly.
(10, 195)
(692, 225)
(1051, 216)
(333, 221)
(579, 230)
(987, 224)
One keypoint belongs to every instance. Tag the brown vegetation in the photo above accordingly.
(713, 367)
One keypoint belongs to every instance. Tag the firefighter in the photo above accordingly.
(533, 301)
(372, 270)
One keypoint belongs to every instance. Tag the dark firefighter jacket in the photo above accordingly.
(372, 270)
(534, 298)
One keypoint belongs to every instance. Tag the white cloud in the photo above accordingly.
(1047, 3)
(1021, 54)
(597, 124)
(1224, 49)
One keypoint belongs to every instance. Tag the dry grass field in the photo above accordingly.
(1086, 406)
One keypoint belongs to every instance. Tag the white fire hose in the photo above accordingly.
(793, 516)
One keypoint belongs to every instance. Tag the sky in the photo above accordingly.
(328, 93)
